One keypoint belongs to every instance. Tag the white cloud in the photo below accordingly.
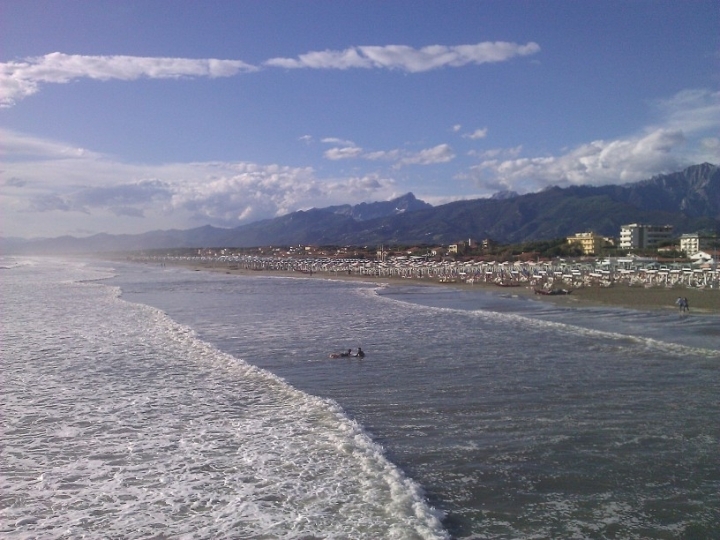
(248, 192)
(599, 162)
(22, 78)
(442, 153)
(495, 153)
(335, 140)
(349, 58)
(407, 58)
(16, 144)
(691, 110)
(346, 152)
(383, 155)
(477, 134)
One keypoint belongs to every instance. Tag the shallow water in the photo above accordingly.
(514, 418)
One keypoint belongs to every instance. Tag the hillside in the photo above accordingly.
(688, 200)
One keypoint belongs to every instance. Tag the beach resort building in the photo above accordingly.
(637, 236)
(590, 242)
(695, 242)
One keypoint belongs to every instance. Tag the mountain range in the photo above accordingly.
(689, 200)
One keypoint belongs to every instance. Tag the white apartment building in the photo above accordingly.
(694, 242)
(637, 236)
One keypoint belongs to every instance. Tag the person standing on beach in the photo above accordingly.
(685, 305)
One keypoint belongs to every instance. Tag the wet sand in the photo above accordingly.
(705, 300)
(647, 298)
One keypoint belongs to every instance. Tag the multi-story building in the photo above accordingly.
(590, 243)
(637, 236)
(695, 242)
(489, 243)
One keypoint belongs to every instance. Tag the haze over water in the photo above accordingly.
(216, 412)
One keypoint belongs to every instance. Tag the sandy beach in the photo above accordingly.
(647, 298)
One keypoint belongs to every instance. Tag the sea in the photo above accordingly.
(149, 401)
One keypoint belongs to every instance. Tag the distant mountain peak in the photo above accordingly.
(366, 211)
(504, 195)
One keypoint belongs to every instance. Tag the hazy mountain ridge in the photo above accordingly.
(689, 200)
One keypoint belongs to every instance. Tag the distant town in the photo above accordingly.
(644, 255)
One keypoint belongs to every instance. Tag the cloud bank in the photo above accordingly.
(598, 162)
(685, 136)
(174, 194)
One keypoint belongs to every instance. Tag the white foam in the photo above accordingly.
(122, 423)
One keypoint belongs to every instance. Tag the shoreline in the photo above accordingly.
(705, 301)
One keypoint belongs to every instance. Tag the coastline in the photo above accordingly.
(706, 301)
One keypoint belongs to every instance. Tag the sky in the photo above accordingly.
(133, 116)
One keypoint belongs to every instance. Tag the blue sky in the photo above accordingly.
(126, 117)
